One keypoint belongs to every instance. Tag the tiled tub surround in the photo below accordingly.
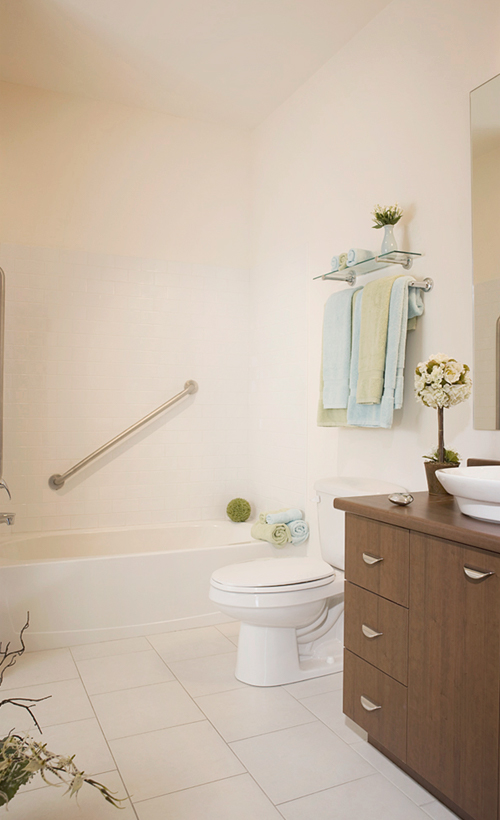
(163, 721)
(93, 343)
(86, 586)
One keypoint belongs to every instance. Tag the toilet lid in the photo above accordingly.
(273, 572)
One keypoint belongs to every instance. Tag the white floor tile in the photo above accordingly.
(144, 709)
(371, 797)
(231, 631)
(235, 798)
(168, 760)
(437, 811)
(52, 804)
(315, 686)
(123, 671)
(190, 643)
(328, 708)
(404, 782)
(100, 650)
(67, 702)
(295, 762)
(33, 668)
(251, 711)
(204, 676)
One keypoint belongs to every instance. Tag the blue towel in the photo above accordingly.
(284, 516)
(381, 415)
(415, 309)
(299, 530)
(337, 349)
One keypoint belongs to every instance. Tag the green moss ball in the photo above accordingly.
(238, 509)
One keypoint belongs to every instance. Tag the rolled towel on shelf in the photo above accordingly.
(283, 516)
(299, 530)
(339, 262)
(276, 534)
(357, 255)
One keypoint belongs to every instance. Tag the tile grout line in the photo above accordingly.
(107, 744)
(228, 746)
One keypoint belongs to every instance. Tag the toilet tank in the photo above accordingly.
(331, 521)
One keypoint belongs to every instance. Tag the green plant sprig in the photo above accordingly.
(386, 216)
(450, 456)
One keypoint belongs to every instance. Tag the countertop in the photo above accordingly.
(433, 515)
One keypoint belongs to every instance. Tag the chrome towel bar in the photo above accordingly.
(56, 481)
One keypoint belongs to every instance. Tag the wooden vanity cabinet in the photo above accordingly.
(454, 681)
(422, 645)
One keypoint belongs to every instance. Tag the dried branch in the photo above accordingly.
(31, 701)
(9, 658)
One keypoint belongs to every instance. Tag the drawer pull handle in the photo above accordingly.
(370, 633)
(368, 704)
(475, 574)
(371, 559)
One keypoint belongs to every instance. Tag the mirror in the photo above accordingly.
(485, 147)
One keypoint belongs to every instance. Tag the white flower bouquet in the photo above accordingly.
(442, 382)
(386, 216)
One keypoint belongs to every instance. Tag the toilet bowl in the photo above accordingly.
(291, 608)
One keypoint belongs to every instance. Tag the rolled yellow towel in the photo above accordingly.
(276, 534)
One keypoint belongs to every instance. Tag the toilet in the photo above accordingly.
(291, 608)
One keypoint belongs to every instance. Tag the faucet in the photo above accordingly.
(3, 486)
(7, 518)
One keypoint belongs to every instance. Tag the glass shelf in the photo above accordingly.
(373, 263)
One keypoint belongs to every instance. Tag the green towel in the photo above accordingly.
(373, 340)
(342, 261)
(276, 534)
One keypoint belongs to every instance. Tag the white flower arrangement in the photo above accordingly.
(386, 216)
(442, 381)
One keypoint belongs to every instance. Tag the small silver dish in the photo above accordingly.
(403, 499)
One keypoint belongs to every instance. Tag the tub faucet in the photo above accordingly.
(7, 518)
(3, 486)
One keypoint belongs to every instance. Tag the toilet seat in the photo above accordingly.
(273, 575)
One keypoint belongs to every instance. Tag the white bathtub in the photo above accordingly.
(82, 586)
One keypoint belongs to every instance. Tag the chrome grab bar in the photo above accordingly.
(56, 481)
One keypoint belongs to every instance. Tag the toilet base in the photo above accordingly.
(273, 656)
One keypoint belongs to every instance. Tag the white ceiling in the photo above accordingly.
(231, 61)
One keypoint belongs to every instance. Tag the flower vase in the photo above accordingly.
(433, 483)
(389, 241)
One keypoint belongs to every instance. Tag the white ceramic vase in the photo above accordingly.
(389, 241)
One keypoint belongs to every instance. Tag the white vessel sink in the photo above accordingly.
(476, 489)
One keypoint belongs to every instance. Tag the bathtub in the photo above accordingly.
(82, 586)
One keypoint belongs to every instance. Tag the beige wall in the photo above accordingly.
(385, 120)
(98, 177)
(486, 215)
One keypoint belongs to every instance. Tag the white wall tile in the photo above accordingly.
(95, 342)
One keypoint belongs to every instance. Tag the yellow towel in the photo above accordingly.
(276, 534)
(373, 340)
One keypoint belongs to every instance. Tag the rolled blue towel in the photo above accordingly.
(299, 530)
(284, 516)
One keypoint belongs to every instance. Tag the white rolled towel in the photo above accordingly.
(357, 255)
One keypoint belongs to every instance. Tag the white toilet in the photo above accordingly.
(291, 609)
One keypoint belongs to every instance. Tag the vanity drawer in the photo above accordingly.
(377, 557)
(376, 702)
(377, 630)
